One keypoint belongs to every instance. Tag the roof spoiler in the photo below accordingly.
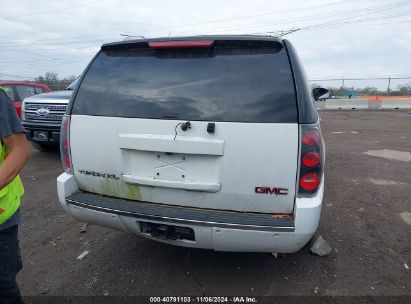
(193, 42)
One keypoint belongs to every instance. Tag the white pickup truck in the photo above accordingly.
(206, 142)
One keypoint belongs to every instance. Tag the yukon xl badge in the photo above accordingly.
(271, 190)
(43, 112)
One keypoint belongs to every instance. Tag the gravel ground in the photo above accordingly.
(365, 219)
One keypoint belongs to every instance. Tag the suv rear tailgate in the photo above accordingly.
(248, 156)
(132, 102)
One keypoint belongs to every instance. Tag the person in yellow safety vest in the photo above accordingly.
(14, 153)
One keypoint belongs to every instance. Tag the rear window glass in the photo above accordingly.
(25, 91)
(226, 83)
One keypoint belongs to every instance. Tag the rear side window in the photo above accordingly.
(72, 85)
(38, 90)
(231, 82)
(25, 91)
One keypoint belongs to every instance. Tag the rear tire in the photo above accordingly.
(45, 147)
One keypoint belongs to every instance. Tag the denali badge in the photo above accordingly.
(273, 190)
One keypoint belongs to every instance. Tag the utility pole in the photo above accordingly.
(389, 83)
(342, 85)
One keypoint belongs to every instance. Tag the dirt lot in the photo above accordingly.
(366, 208)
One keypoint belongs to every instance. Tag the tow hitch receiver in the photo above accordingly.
(167, 232)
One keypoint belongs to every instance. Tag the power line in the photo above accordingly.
(356, 23)
(60, 39)
(61, 47)
(211, 21)
(31, 53)
(384, 9)
(355, 14)
(401, 4)
(41, 64)
(42, 60)
(353, 23)
(60, 42)
(358, 13)
(16, 76)
(371, 24)
(404, 14)
(192, 24)
(61, 9)
(255, 15)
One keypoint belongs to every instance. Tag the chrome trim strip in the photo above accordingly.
(182, 221)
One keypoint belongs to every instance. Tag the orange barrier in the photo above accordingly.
(380, 98)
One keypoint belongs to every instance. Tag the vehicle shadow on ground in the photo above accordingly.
(169, 270)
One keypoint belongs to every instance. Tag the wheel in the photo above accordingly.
(44, 147)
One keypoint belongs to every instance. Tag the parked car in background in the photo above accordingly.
(42, 115)
(18, 90)
(207, 142)
(321, 94)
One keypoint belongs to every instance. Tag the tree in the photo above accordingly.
(404, 89)
(368, 91)
(65, 82)
(52, 80)
(341, 91)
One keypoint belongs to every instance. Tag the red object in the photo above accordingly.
(311, 167)
(17, 99)
(180, 44)
(310, 138)
(67, 162)
(17, 105)
(311, 160)
(309, 182)
(65, 144)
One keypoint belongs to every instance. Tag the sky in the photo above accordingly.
(335, 39)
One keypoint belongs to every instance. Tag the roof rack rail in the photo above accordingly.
(132, 37)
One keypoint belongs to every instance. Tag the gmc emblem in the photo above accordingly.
(273, 190)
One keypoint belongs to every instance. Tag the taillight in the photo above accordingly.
(312, 160)
(17, 105)
(65, 144)
(311, 137)
(309, 181)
